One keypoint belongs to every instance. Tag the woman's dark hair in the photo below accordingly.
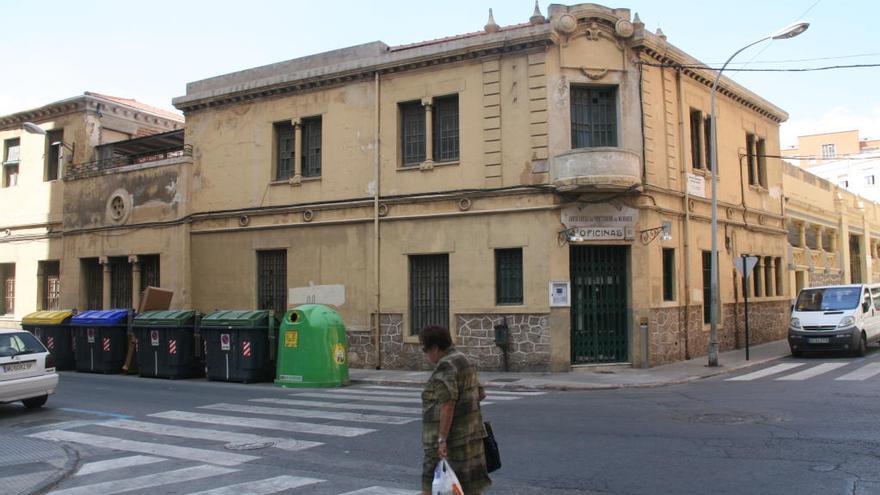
(435, 336)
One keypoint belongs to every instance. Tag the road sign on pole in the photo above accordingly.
(745, 264)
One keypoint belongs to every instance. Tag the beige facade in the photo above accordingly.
(356, 231)
(40, 147)
(816, 149)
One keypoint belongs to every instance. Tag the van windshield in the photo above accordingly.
(830, 299)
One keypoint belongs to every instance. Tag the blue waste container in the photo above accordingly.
(100, 340)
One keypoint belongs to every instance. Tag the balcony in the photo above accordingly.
(596, 169)
(123, 156)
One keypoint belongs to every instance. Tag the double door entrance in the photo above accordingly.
(599, 302)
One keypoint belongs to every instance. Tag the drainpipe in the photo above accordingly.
(376, 238)
(687, 215)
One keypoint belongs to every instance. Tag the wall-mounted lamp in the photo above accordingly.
(664, 232)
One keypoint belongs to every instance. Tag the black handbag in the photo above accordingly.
(490, 446)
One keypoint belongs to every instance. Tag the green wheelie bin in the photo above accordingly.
(166, 344)
(53, 330)
(240, 345)
(312, 348)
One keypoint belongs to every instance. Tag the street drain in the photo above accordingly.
(249, 446)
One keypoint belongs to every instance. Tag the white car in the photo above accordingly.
(27, 369)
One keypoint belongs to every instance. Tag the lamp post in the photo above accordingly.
(785, 33)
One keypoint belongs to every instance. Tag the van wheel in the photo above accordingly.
(35, 402)
(863, 347)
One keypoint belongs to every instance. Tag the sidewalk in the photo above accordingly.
(30, 466)
(597, 378)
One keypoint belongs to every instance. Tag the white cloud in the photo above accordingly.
(866, 120)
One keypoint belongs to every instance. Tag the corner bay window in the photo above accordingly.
(593, 116)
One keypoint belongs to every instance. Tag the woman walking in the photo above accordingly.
(452, 426)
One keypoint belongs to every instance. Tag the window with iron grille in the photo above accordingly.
(508, 276)
(272, 280)
(829, 151)
(428, 291)
(697, 139)
(120, 283)
(54, 153)
(707, 286)
(593, 116)
(149, 271)
(412, 133)
(445, 128)
(311, 147)
(93, 283)
(668, 274)
(284, 150)
(11, 157)
(51, 290)
(7, 275)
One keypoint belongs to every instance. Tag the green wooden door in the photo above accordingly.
(598, 304)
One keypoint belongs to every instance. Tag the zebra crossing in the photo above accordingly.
(799, 371)
(210, 449)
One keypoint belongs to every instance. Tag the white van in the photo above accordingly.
(836, 317)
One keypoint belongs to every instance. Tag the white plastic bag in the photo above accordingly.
(445, 480)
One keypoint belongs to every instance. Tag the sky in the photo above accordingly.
(150, 50)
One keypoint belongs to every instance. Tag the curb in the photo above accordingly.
(569, 387)
(62, 474)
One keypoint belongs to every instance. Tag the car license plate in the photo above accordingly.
(818, 341)
(13, 367)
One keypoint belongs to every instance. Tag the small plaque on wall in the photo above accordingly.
(560, 294)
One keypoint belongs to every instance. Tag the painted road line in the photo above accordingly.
(341, 405)
(312, 413)
(118, 463)
(268, 486)
(147, 481)
(863, 373)
(157, 449)
(394, 396)
(381, 490)
(773, 370)
(811, 372)
(264, 424)
(367, 398)
(413, 389)
(207, 434)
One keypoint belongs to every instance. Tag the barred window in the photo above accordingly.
(93, 283)
(412, 135)
(761, 161)
(446, 128)
(11, 156)
(284, 150)
(707, 132)
(311, 147)
(508, 276)
(593, 116)
(751, 161)
(51, 290)
(7, 277)
(272, 280)
(707, 286)
(428, 291)
(149, 271)
(120, 283)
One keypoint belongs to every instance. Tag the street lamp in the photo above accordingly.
(782, 34)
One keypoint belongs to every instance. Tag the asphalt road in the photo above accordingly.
(803, 426)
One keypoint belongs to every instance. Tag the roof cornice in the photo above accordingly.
(392, 61)
(76, 104)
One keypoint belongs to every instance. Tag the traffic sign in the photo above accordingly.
(224, 341)
(154, 338)
(750, 262)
